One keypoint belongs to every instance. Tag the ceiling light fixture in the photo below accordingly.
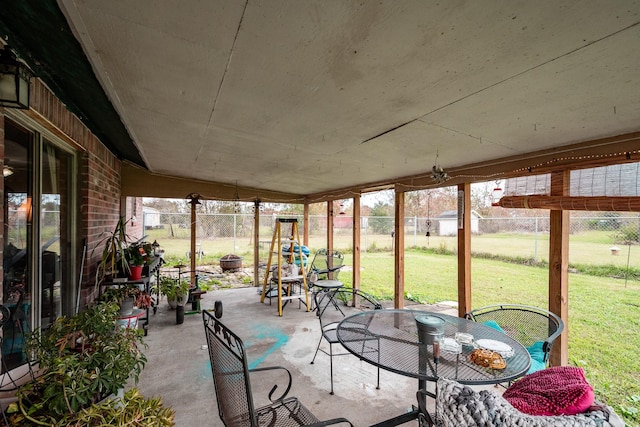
(14, 81)
(437, 173)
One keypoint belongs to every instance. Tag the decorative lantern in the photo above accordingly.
(14, 81)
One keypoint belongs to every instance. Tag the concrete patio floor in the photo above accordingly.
(178, 367)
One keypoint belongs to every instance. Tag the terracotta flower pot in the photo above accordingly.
(135, 272)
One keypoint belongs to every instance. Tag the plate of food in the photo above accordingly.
(499, 347)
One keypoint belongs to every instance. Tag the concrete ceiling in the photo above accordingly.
(305, 96)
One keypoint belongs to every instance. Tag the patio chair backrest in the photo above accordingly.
(233, 389)
(327, 264)
(333, 306)
(525, 324)
(230, 374)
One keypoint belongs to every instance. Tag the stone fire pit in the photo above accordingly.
(230, 262)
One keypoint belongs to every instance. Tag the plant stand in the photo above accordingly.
(153, 268)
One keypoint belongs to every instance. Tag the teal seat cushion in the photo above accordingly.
(535, 350)
(493, 324)
(537, 357)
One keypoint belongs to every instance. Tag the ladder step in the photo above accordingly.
(287, 220)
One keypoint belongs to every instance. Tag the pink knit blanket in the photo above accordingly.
(560, 390)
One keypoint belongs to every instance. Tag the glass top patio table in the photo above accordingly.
(401, 352)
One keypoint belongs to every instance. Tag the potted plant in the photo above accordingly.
(114, 246)
(175, 290)
(132, 409)
(136, 256)
(84, 359)
(127, 297)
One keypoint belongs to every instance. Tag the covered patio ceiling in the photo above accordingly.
(312, 97)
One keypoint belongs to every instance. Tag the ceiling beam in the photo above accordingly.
(139, 182)
(594, 153)
(600, 152)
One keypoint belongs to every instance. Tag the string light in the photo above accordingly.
(439, 172)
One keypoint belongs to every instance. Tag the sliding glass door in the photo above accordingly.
(39, 206)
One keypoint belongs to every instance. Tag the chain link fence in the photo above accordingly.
(610, 238)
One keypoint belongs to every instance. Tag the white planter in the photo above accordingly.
(180, 300)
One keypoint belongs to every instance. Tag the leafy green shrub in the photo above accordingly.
(84, 359)
(627, 235)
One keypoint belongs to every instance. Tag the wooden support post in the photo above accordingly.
(256, 243)
(305, 225)
(559, 267)
(356, 241)
(194, 202)
(398, 235)
(464, 248)
(330, 225)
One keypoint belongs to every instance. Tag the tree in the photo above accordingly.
(381, 220)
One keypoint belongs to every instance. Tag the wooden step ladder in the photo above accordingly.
(277, 241)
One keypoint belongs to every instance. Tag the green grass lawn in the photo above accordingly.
(604, 313)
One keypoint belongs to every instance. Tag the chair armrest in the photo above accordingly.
(331, 422)
(548, 343)
(273, 389)
(424, 414)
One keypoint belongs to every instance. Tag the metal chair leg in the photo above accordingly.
(317, 348)
(331, 365)
(378, 385)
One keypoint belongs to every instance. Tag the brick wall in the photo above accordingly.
(2, 198)
(99, 175)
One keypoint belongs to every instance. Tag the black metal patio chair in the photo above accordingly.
(333, 305)
(233, 387)
(326, 264)
(533, 327)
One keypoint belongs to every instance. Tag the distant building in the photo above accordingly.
(151, 218)
(448, 222)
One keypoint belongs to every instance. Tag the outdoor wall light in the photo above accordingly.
(14, 81)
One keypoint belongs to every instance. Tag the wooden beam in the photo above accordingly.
(559, 202)
(356, 242)
(398, 235)
(464, 248)
(613, 150)
(138, 182)
(617, 149)
(559, 267)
